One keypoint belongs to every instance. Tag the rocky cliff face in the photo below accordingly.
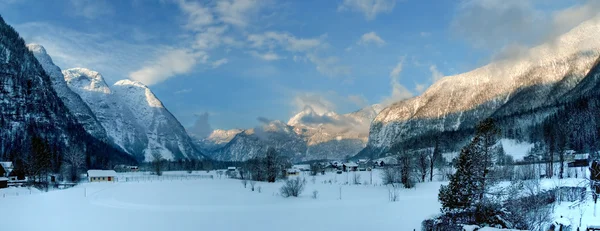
(74, 103)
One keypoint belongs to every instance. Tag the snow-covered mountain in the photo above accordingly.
(163, 131)
(307, 136)
(521, 92)
(217, 139)
(33, 114)
(134, 119)
(74, 103)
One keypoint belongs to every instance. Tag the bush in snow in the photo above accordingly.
(292, 187)
(252, 184)
(315, 194)
(245, 182)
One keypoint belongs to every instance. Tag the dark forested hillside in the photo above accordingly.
(36, 129)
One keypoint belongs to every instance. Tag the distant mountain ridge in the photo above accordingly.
(307, 136)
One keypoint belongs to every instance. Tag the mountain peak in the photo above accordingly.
(135, 89)
(128, 82)
(37, 48)
(86, 79)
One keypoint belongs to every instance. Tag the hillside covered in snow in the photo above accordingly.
(520, 93)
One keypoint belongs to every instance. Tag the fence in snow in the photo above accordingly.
(164, 178)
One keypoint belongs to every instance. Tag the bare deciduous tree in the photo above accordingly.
(157, 163)
(423, 163)
(434, 159)
(75, 158)
(356, 178)
(292, 187)
(390, 175)
(393, 192)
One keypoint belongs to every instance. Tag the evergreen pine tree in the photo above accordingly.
(474, 168)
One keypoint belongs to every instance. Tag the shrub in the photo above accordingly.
(292, 188)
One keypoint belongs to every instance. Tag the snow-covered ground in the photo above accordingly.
(516, 149)
(221, 204)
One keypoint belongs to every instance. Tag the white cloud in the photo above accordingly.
(399, 91)
(567, 19)
(169, 64)
(268, 56)
(329, 66)
(425, 34)
(420, 87)
(395, 73)
(371, 38)
(370, 8)
(210, 38)
(201, 127)
(238, 12)
(219, 62)
(183, 91)
(491, 23)
(358, 100)
(435, 73)
(317, 102)
(287, 41)
(91, 9)
(198, 15)
(505, 25)
(99, 52)
(299, 58)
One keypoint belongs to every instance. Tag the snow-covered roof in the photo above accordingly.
(231, 168)
(3, 179)
(351, 164)
(101, 173)
(7, 165)
(301, 166)
(583, 156)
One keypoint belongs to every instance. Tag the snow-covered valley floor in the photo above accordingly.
(220, 204)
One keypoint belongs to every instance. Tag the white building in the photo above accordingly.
(102, 175)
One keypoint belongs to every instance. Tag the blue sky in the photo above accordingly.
(238, 60)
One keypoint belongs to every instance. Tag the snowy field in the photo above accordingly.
(220, 204)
